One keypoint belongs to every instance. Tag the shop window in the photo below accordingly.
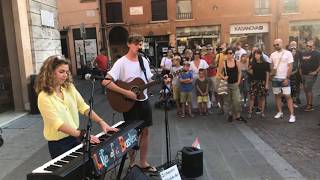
(290, 6)
(114, 12)
(159, 10)
(304, 31)
(262, 7)
(184, 9)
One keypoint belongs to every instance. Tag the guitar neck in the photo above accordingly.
(143, 87)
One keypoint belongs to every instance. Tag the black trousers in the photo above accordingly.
(61, 146)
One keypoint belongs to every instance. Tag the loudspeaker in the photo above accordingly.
(136, 174)
(192, 162)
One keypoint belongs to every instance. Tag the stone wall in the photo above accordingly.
(45, 41)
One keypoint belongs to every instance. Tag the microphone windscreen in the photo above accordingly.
(87, 76)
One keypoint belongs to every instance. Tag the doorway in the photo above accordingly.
(6, 95)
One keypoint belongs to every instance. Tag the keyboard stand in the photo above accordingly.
(123, 160)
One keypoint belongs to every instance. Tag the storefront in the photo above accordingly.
(301, 32)
(194, 37)
(254, 34)
(155, 47)
(85, 50)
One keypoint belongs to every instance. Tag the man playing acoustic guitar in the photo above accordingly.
(126, 69)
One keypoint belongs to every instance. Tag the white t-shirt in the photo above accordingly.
(175, 79)
(127, 70)
(202, 65)
(238, 54)
(166, 63)
(285, 57)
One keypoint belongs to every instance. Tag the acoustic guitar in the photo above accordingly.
(120, 102)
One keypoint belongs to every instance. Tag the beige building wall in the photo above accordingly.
(28, 43)
(218, 12)
(45, 41)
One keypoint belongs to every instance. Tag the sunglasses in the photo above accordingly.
(309, 46)
(276, 45)
(229, 52)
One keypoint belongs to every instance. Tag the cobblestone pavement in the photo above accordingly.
(298, 143)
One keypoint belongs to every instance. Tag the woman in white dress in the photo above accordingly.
(195, 65)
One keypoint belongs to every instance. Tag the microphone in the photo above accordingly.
(95, 77)
(1, 140)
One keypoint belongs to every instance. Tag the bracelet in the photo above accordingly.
(82, 135)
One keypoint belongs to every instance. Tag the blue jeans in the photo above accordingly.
(61, 146)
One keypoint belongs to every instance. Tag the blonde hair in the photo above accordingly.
(46, 78)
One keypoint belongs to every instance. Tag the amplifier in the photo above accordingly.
(192, 162)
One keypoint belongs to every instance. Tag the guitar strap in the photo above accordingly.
(142, 67)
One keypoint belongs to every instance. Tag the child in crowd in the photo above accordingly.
(175, 70)
(244, 84)
(186, 79)
(202, 85)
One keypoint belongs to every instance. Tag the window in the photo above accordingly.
(262, 7)
(159, 10)
(290, 6)
(114, 12)
(184, 9)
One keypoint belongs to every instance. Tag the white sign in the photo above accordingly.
(180, 49)
(47, 18)
(91, 51)
(249, 28)
(171, 173)
(165, 49)
(91, 13)
(137, 10)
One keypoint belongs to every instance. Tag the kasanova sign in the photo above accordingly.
(249, 28)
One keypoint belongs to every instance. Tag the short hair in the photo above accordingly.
(178, 58)
(201, 70)
(135, 38)
(103, 50)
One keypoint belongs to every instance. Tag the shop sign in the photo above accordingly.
(137, 10)
(249, 28)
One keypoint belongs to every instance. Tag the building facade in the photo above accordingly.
(30, 35)
(191, 23)
(80, 30)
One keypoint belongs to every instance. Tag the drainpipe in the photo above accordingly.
(102, 26)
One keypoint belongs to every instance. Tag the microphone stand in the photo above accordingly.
(166, 95)
(86, 140)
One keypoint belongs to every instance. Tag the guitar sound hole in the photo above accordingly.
(135, 90)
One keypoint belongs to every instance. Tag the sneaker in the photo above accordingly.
(263, 115)
(309, 108)
(278, 115)
(292, 119)
(258, 111)
(295, 105)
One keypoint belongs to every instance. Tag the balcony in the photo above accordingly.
(184, 15)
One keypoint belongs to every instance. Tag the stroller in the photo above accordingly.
(165, 95)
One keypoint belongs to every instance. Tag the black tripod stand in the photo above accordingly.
(166, 93)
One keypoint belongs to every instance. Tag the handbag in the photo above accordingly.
(274, 70)
(223, 84)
